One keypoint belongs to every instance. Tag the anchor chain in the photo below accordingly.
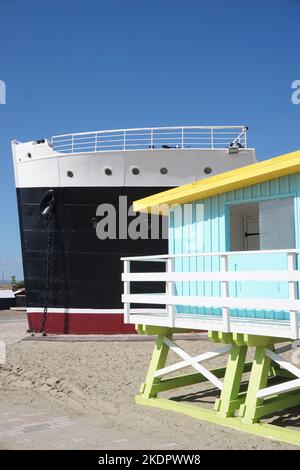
(47, 211)
(48, 271)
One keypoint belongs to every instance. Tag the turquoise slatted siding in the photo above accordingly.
(204, 227)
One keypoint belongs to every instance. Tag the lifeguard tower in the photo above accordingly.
(232, 269)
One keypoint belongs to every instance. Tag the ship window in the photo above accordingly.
(29, 155)
(108, 171)
(207, 170)
(164, 170)
(135, 171)
(70, 174)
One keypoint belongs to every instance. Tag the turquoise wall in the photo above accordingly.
(205, 227)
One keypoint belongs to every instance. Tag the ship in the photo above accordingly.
(75, 194)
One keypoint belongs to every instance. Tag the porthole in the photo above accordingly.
(207, 170)
(135, 170)
(70, 174)
(108, 171)
(28, 155)
(164, 170)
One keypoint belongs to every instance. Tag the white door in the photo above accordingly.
(251, 233)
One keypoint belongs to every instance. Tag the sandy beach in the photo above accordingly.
(96, 382)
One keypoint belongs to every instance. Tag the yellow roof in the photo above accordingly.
(221, 183)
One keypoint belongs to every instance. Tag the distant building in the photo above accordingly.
(20, 297)
(7, 299)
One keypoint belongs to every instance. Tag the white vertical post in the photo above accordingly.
(124, 141)
(182, 137)
(72, 144)
(96, 141)
(224, 294)
(151, 139)
(245, 137)
(291, 259)
(126, 292)
(169, 292)
(212, 138)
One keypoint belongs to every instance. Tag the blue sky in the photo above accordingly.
(84, 65)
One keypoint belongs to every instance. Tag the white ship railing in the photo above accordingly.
(195, 137)
(168, 316)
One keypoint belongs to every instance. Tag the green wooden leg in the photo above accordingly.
(258, 379)
(158, 361)
(229, 400)
(251, 408)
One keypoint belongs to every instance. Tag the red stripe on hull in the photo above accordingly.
(80, 324)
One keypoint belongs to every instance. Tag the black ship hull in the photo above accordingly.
(81, 283)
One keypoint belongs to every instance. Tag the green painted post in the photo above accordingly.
(228, 401)
(157, 362)
(251, 408)
(258, 380)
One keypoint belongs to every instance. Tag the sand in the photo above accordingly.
(100, 379)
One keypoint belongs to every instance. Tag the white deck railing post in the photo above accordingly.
(182, 137)
(245, 137)
(151, 138)
(225, 294)
(293, 295)
(124, 141)
(126, 292)
(170, 292)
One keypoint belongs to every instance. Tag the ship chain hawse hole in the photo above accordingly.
(47, 203)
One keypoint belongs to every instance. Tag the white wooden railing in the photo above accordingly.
(224, 322)
(151, 138)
